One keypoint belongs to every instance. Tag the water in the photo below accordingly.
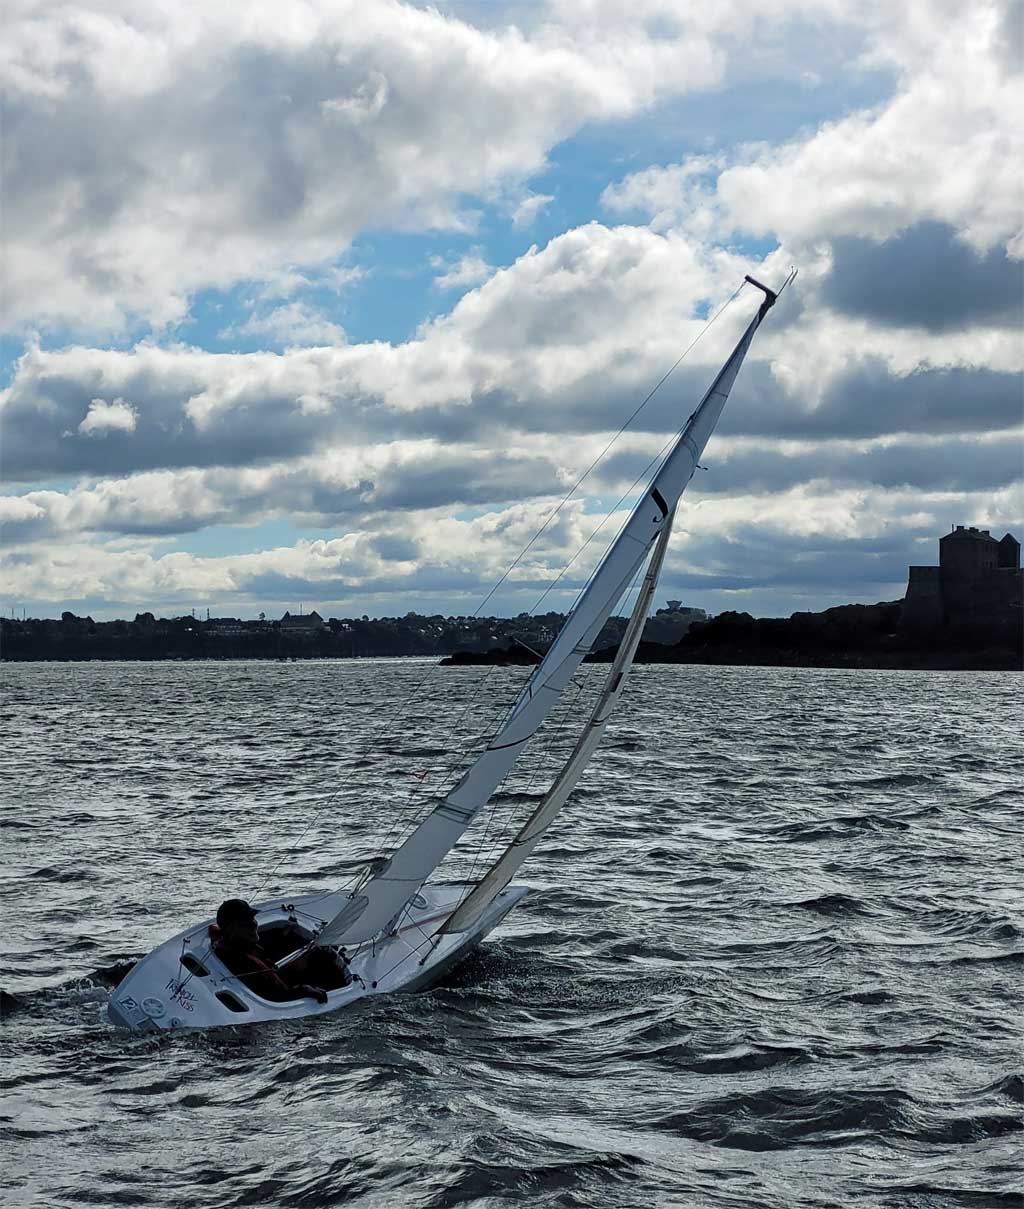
(772, 957)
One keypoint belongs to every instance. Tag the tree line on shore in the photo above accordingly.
(848, 635)
(148, 637)
(856, 636)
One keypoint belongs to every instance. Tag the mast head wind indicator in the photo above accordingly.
(770, 295)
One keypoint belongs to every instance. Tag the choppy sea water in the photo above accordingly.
(772, 956)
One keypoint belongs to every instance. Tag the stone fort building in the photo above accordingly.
(977, 584)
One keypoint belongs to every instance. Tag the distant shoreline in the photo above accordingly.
(848, 636)
(997, 663)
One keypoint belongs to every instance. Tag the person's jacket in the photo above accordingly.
(251, 966)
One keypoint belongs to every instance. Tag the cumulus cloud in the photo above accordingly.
(469, 270)
(527, 209)
(943, 149)
(103, 417)
(291, 325)
(749, 550)
(567, 340)
(337, 488)
(877, 406)
(668, 195)
(147, 158)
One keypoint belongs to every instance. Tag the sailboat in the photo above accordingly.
(396, 929)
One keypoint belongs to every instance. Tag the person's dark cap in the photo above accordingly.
(233, 911)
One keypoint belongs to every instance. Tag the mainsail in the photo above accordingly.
(353, 917)
(505, 868)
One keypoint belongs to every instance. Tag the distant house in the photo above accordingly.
(303, 625)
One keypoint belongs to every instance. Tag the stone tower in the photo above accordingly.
(977, 584)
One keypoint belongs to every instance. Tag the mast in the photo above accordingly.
(507, 865)
(362, 914)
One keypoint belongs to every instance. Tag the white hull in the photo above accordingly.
(182, 984)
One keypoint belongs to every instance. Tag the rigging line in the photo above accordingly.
(536, 761)
(371, 742)
(627, 494)
(610, 513)
(582, 683)
(412, 797)
(403, 822)
(519, 557)
(475, 857)
(497, 711)
(333, 797)
(643, 475)
(419, 928)
(402, 959)
(449, 766)
(449, 759)
(458, 760)
(513, 792)
(579, 482)
(530, 776)
(537, 753)
(471, 701)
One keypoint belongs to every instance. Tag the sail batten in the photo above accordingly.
(352, 920)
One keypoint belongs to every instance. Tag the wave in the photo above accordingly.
(49, 874)
(869, 998)
(477, 1182)
(832, 905)
(940, 1196)
(738, 1060)
(892, 780)
(838, 828)
(779, 1118)
(1016, 957)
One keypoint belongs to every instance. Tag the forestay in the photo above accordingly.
(363, 914)
(508, 864)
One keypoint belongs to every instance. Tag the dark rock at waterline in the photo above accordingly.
(512, 656)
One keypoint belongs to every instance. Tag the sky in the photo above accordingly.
(328, 303)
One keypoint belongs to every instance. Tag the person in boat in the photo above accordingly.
(237, 944)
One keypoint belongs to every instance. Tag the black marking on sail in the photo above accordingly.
(659, 499)
(514, 743)
(454, 813)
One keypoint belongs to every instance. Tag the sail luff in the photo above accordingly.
(530, 834)
(358, 917)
